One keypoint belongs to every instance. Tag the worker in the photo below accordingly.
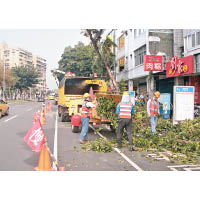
(85, 117)
(153, 110)
(125, 110)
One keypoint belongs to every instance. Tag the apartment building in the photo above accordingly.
(40, 64)
(12, 57)
(18, 57)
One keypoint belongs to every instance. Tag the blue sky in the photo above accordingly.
(47, 43)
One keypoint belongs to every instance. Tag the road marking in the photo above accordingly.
(11, 118)
(159, 157)
(185, 167)
(55, 152)
(29, 109)
(120, 153)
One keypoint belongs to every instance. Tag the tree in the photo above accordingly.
(103, 50)
(9, 77)
(26, 77)
(123, 85)
(78, 60)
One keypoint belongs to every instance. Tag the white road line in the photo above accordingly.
(191, 169)
(55, 151)
(173, 168)
(29, 109)
(11, 118)
(121, 154)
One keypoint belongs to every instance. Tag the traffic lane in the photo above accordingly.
(73, 156)
(16, 109)
(15, 154)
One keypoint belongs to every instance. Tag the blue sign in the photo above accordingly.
(165, 101)
(184, 89)
(132, 93)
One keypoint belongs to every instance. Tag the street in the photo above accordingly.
(16, 155)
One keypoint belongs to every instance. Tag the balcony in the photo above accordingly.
(137, 72)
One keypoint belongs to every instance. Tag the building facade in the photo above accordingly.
(12, 57)
(40, 64)
(130, 59)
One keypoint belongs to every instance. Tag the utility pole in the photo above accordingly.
(114, 56)
(4, 79)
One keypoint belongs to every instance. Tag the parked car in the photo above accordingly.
(4, 108)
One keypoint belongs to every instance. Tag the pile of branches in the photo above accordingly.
(181, 140)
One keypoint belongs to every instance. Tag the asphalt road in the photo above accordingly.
(16, 155)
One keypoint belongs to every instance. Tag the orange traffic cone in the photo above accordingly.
(42, 119)
(37, 116)
(44, 163)
(62, 169)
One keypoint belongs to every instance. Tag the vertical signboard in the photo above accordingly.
(132, 97)
(165, 101)
(194, 81)
(183, 103)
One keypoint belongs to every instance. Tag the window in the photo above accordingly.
(135, 33)
(185, 42)
(198, 38)
(139, 55)
(193, 40)
(197, 59)
(189, 41)
(140, 31)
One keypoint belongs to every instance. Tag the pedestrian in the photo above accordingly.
(125, 110)
(142, 99)
(85, 117)
(153, 110)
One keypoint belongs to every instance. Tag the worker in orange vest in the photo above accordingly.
(125, 110)
(86, 113)
(153, 110)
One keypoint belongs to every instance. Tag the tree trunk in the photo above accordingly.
(103, 61)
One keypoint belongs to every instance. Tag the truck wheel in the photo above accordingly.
(7, 112)
(0, 115)
(75, 129)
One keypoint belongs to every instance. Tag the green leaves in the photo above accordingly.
(26, 77)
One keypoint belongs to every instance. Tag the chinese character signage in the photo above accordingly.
(153, 63)
(121, 61)
(178, 67)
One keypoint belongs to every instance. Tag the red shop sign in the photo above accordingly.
(153, 63)
(178, 67)
(194, 81)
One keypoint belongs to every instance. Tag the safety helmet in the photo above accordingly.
(86, 95)
(157, 94)
(126, 93)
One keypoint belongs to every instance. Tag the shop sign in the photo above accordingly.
(153, 63)
(194, 81)
(178, 67)
(121, 61)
